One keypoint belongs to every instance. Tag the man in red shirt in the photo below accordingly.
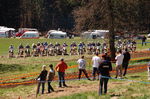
(60, 68)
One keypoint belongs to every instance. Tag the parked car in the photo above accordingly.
(30, 35)
(148, 35)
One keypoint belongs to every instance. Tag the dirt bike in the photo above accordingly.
(98, 49)
(133, 48)
(21, 52)
(11, 53)
(93, 50)
(42, 51)
(34, 52)
(73, 51)
(51, 51)
(57, 51)
(27, 52)
(64, 51)
(89, 50)
(80, 51)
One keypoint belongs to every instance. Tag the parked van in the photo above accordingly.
(57, 34)
(30, 35)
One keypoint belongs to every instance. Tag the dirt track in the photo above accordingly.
(131, 69)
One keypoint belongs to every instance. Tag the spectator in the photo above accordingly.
(51, 75)
(148, 71)
(42, 79)
(104, 68)
(143, 40)
(126, 60)
(108, 57)
(95, 60)
(82, 65)
(60, 68)
(119, 60)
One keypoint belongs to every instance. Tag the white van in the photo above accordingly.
(30, 35)
(148, 35)
(3, 34)
(57, 35)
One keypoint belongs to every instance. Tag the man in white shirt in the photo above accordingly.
(82, 65)
(119, 60)
(96, 61)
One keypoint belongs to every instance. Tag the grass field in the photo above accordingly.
(117, 90)
(5, 43)
(17, 66)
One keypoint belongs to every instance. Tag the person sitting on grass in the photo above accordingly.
(50, 77)
(42, 79)
(82, 65)
(104, 68)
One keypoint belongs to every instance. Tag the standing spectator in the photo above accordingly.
(60, 68)
(104, 68)
(96, 61)
(143, 40)
(82, 65)
(51, 75)
(148, 71)
(119, 60)
(42, 79)
(107, 56)
(126, 60)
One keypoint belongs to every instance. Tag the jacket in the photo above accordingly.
(61, 67)
(105, 67)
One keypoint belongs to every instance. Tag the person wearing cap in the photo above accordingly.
(42, 79)
(82, 65)
(104, 68)
(96, 61)
(60, 68)
(50, 78)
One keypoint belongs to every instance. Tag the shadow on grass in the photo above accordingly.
(144, 60)
(115, 95)
(135, 76)
(10, 68)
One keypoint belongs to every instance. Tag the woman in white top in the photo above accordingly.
(119, 60)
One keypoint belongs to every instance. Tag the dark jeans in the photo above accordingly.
(95, 70)
(103, 83)
(50, 88)
(143, 42)
(85, 73)
(125, 66)
(61, 76)
(43, 87)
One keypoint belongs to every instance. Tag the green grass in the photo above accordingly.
(5, 43)
(132, 90)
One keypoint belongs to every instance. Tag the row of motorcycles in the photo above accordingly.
(25, 52)
(54, 51)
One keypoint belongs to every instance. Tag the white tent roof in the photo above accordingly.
(6, 29)
(58, 33)
(31, 32)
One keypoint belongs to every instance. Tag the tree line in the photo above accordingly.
(76, 15)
